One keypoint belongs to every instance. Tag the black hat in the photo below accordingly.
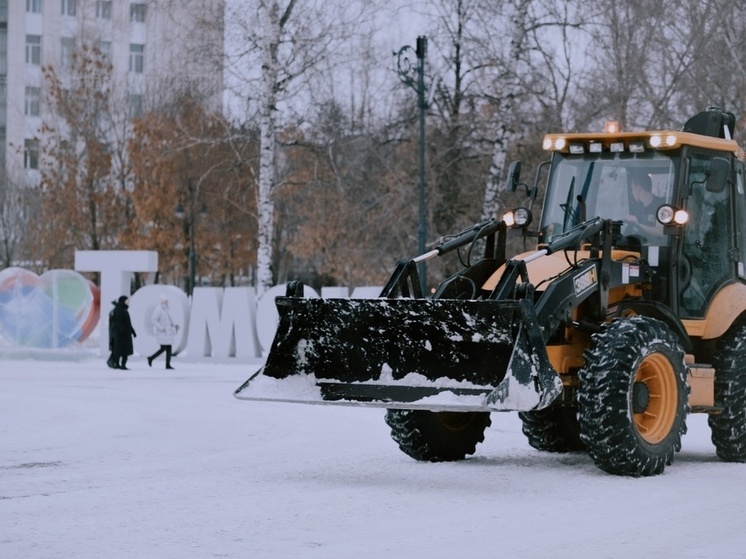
(123, 298)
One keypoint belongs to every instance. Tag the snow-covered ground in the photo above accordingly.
(147, 463)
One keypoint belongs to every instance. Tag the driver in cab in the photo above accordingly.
(646, 204)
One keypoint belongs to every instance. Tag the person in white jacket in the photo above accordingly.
(165, 331)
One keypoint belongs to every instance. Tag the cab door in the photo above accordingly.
(708, 245)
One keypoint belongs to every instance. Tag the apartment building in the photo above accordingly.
(150, 44)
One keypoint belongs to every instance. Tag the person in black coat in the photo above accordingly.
(110, 362)
(122, 333)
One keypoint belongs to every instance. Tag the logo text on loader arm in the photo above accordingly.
(584, 281)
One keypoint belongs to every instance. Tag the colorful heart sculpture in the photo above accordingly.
(48, 311)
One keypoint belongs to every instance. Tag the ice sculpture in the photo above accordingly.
(53, 310)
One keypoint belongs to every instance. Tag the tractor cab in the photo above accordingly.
(677, 197)
(628, 189)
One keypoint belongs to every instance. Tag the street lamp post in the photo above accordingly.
(414, 77)
(190, 231)
(192, 252)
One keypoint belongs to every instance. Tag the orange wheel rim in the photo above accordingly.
(656, 380)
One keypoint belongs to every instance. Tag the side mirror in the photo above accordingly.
(719, 175)
(514, 176)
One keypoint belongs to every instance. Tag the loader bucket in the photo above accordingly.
(435, 354)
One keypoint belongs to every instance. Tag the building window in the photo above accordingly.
(3, 137)
(67, 47)
(136, 58)
(32, 101)
(68, 7)
(31, 154)
(33, 6)
(103, 9)
(33, 49)
(3, 104)
(104, 48)
(3, 52)
(135, 103)
(137, 12)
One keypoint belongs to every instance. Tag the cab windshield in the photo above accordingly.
(620, 186)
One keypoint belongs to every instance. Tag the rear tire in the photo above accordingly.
(553, 429)
(729, 427)
(633, 397)
(437, 436)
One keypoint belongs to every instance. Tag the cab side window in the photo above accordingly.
(741, 218)
(707, 240)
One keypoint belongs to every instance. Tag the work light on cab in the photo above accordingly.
(668, 215)
(611, 127)
(517, 218)
(660, 141)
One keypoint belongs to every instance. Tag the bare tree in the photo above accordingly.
(499, 87)
(189, 200)
(290, 41)
(81, 204)
(653, 61)
(506, 99)
(16, 202)
(455, 129)
(713, 71)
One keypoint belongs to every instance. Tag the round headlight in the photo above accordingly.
(665, 214)
(509, 219)
(522, 217)
(680, 217)
(668, 215)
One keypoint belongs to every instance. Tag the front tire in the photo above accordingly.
(729, 426)
(437, 436)
(553, 429)
(633, 397)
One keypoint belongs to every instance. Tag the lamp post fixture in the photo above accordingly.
(414, 77)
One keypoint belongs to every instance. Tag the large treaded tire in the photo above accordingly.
(437, 436)
(729, 426)
(553, 429)
(633, 397)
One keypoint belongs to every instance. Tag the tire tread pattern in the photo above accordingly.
(729, 427)
(553, 429)
(423, 436)
(605, 415)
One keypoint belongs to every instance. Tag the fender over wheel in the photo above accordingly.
(633, 397)
(437, 436)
